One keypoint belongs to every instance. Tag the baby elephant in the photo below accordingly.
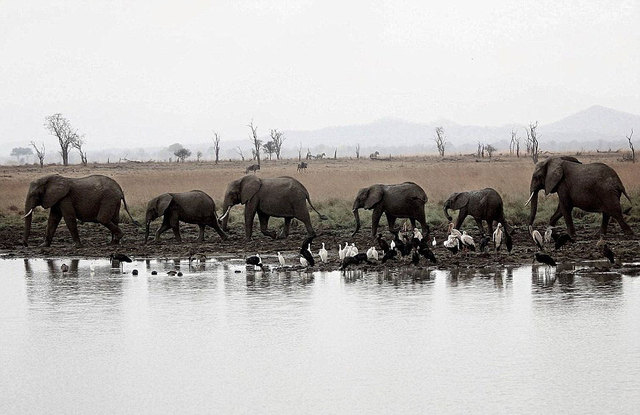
(191, 207)
(485, 204)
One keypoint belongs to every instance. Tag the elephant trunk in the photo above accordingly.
(224, 220)
(356, 214)
(446, 212)
(533, 199)
(27, 223)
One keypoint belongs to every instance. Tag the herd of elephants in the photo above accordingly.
(593, 187)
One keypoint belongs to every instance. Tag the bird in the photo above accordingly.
(537, 238)
(323, 254)
(452, 244)
(353, 250)
(417, 234)
(134, 272)
(179, 274)
(484, 242)
(120, 257)
(424, 250)
(172, 273)
(497, 237)
(382, 243)
(64, 268)
(434, 242)
(92, 267)
(467, 241)
(453, 231)
(362, 257)
(154, 272)
(606, 251)
(392, 245)
(415, 258)
(372, 253)
(342, 251)
(390, 254)
(400, 245)
(255, 260)
(349, 260)
(508, 241)
(545, 259)
(547, 235)
(281, 260)
(561, 240)
(306, 258)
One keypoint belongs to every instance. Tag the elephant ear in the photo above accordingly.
(56, 188)
(163, 202)
(460, 200)
(248, 188)
(554, 175)
(374, 197)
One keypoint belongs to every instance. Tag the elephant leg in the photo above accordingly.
(421, 218)
(302, 215)
(264, 225)
(201, 232)
(52, 224)
(70, 219)
(216, 227)
(605, 223)
(174, 223)
(391, 221)
(375, 221)
(163, 228)
(249, 214)
(568, 219)
(116, 232)
(462, 215)
(556, 216)
(480, 225)
(413, 222)
(286, 227)
(623, 224)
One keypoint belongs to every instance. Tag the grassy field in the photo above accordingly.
(332, 184)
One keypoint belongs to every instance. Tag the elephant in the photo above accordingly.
(93, 198)
(191, 207)
(282, 197)
(485, 204)
(592, 187)
(404, 200)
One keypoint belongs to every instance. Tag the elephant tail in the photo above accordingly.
(126, 208)
(624, 192)
(322, 217)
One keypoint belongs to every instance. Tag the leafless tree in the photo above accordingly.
(300, 152)
(532, 141)
(479, 151)
(78, 143)
(335, 154)
(633, 152)
(490, 149)
(440, 140)
(277, 137)
(60, 127)
(309, 156)
(216, 145)
(39, 152)
(358, 151)
(255, 141)
(240, 153)
(518, 147)
(512, 144)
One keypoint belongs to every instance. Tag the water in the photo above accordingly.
(520, 340)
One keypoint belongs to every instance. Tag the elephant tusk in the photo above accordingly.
(28, 214)
(529, 200)
(225, 214)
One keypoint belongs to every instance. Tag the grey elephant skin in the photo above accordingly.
(404, 200)
(281, 197)
(593, 187)
(194, 206)
(482, 205)
(93, 198)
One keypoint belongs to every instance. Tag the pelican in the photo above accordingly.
(497, 237)
(372, 253)
(281, 260)
(323, 254)
(467, 241)
(342, 251)
(537, 238)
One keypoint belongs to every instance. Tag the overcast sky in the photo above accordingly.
(131, 73)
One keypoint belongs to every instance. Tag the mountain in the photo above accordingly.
(598, 121)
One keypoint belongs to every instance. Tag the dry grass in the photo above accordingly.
(331, 183)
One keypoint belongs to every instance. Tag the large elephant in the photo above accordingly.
(593, 187)
(281, 197)
(485, 204)
(404, 200)
(191, 207)
(93, 198)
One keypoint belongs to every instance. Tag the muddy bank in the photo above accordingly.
(95, 240)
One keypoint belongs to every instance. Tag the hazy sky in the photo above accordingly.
(131, 73)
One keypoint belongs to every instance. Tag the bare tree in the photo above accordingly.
(335, 154)
(440, 140)
(479, 151)
(277, 137)
(300, 152)
(216, 145)
(255, 141)
(309, 155)
(78, 143)
(39, 152)
(518, 147)
(532, 141)
(633, 152)
(490, 149)
(240, 153)
(512, 144)
(358, 151)
(60, 127)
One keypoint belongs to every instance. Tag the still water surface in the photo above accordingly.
(523, 340)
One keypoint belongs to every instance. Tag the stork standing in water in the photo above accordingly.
(372, 253)
(281, 260)
(323, 254)
(497, 237)
(255, 260)
(537, 237)
(306, 258)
